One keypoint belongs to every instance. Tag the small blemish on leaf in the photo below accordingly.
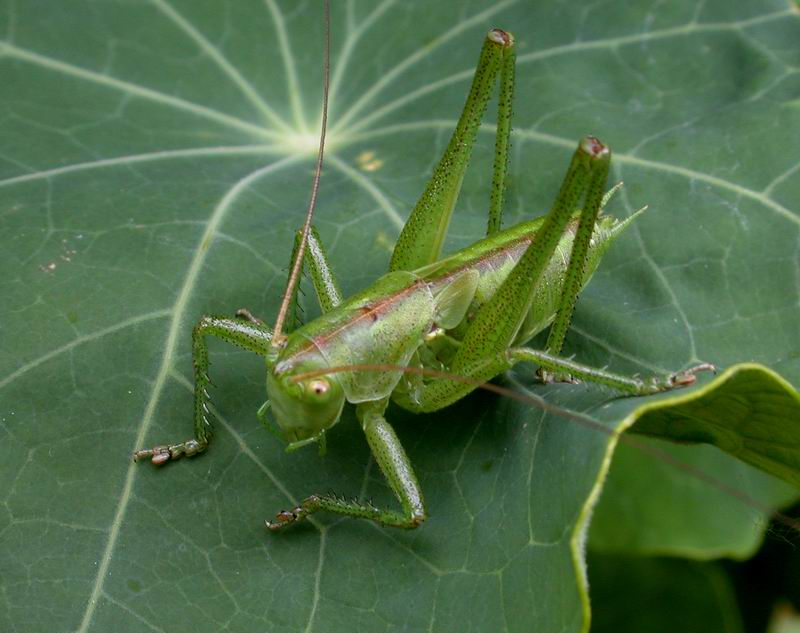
(384, 242)
(367, 161)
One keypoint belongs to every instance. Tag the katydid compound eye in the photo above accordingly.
(319, 387)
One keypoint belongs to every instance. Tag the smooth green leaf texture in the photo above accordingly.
(155, 159)
(754, 406)
(785, 623)
(668, 594)
(747, 409)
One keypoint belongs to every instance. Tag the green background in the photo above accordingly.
(155, 160)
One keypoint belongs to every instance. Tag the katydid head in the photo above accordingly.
(307, 407)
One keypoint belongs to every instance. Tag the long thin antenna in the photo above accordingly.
(278, 338)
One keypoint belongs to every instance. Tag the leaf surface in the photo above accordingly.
(155, 161)
(687, 501)
(670, 595)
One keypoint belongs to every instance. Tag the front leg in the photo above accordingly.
(394, 464)
(246, 332)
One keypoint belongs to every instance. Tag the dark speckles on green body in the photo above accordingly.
(421, 240)
(393, 462)
(495, 257)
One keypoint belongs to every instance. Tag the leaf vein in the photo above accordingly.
(133, 89)
(229, 69)
(218, 214)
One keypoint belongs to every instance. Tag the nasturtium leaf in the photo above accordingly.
(703, 503)
(660, 595)
(155, 162)
(746, 417)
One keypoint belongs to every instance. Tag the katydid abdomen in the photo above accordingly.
(493, 258)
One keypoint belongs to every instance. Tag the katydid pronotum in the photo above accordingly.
(465, 317)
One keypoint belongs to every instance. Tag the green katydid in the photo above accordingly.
(454, 322)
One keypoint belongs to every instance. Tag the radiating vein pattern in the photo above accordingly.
(155, 162)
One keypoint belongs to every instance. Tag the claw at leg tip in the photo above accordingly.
(704, 367)
(689, 376)
(281, 519)
(684, 380)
